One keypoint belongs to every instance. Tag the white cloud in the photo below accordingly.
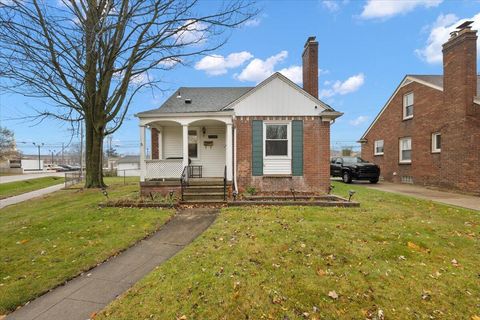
(440, 33)
(358, 121)
(252, 22)
(191, 33)
(331, 5)
(258, 70)
(216, 64)
(350, 85)
(384, 9)
(293, 73)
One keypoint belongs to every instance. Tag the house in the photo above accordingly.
(128, 166)
(272, 137)
(428, 132)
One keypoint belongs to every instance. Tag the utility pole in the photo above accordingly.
(52, 152)
(63, 147)
(39, 145)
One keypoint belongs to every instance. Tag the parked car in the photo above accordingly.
(354, 168)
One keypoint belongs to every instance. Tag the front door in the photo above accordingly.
(210, 151)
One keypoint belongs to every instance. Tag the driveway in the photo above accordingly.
(451, 198)
(27, 176)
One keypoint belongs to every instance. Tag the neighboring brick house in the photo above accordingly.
(273, 137)
(428, 133)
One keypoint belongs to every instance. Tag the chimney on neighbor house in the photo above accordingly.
(460, 69)
(310, 66)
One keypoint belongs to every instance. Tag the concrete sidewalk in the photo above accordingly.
(28, 176)
(89, 293)
(29, 195)
(451, 198)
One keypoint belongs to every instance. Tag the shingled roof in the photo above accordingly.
(199, 99)
(437, 80)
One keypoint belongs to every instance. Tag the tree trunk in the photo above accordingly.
(94, 157)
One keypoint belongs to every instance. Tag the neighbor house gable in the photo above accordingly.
(278, 96)
(406, 80)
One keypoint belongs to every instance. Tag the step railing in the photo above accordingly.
(184, 180)
(225, 184)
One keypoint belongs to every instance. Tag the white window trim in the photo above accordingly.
(400, 150)
(375, 148)
(434, 142)
(289, 138)
(198, 142)
(405, 117)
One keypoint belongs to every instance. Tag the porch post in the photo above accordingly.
(142, 154)
(185, 145)
(228, 151)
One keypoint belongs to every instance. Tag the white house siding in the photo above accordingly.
(212, 159)
(277, 166)
(172, 142)
(129, 169)
(277, 98)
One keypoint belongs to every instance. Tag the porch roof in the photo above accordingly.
(198, 99)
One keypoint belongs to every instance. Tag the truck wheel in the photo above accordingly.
(346, 177)
(374, 180)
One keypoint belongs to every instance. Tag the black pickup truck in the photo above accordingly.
(354, 168)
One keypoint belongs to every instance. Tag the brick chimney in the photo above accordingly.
(310, 66)
(460, 69)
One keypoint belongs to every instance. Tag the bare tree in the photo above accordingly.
(90, 57)
(8, 147)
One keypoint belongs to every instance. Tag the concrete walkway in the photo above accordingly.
(29, 195)
(89, 293)
(451, 198)
(28, 176)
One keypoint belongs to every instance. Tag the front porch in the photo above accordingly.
(185, 147)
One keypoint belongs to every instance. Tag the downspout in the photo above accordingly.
(234, 155)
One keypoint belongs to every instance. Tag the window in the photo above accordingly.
(192, 144)
(378, 148)
(276, 140)
(406, 150)
(408, 106)
(436, 142)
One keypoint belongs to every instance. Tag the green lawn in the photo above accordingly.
(395, 256)
(10, 189)
(46, 241)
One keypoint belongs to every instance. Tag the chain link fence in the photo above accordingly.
(73, 178)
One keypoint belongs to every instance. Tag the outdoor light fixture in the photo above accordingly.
(350, 193)
(171, 193)
(105, 193)
(235, 194)
(330, 189)
(204, 130)
(292, 190)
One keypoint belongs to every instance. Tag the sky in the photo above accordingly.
(365, 49)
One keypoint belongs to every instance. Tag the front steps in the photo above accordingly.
(204, 191)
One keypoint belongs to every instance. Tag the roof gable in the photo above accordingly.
(278, 96)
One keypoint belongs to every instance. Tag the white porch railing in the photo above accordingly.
(163, 169)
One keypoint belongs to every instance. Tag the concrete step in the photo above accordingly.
(204, 189)
(203, 196)
(203, 202)
(205, 182)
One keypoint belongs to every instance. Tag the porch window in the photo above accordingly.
(276, 140)
(192, 143)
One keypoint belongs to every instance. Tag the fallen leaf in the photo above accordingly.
(416, 247)
(474, 317)
(455, 262)
(333, 295)
(184, 317)
(321, 272)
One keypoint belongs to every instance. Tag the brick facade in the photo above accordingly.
(316, 164)
(154, 133)
(451, 112)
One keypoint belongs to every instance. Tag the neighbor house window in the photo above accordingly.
(406, 150)
(192, 143)
(276, 140)
(408, 106)
(378, 147)
(436, 142)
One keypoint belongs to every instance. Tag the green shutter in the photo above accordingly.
(257, 148)
(297, 147)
